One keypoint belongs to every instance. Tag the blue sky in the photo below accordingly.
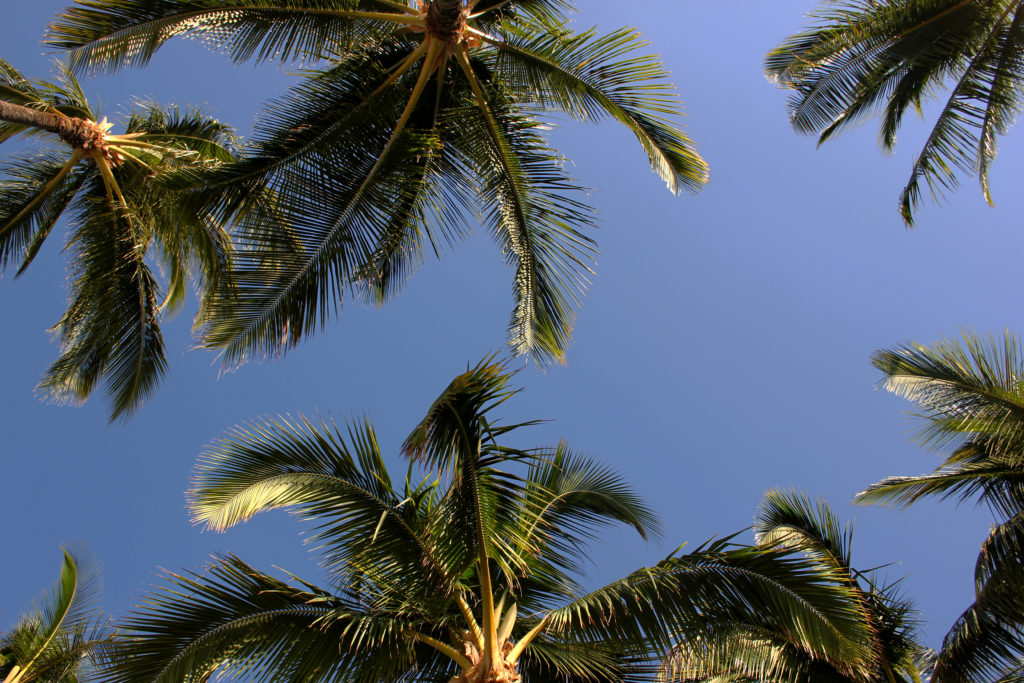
(722, 350)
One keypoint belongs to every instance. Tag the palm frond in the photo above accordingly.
(589, 77)
(103, 36)
(111, 328)
(987, 640)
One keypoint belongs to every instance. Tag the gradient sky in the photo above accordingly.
(723, 348)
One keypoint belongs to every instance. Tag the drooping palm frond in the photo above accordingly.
(865, 58)
(122, 214)
(419, 119)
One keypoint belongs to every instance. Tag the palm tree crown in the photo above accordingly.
(418, 122)
(467, 576)
(869, 56)
(972, 394)
(121, 218)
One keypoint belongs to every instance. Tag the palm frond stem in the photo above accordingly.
(471, 623)
(444, 648)
(523, 642)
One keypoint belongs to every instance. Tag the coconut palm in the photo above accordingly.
(972, 395)
(869, 57)
(418, 122)
(120, 218)
(60, 640)
(469, 575)
(765, 650)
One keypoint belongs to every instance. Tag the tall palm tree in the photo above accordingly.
(466, 576)
(881, 57)
(61, 640)
(121, 218)
(419, 122)
(764, 650)
(972, 395)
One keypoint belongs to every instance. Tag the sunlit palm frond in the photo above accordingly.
(65, 634)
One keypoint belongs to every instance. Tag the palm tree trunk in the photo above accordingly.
(79, 133)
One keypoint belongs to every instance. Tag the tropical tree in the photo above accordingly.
(121, 217)
(767, 650)
(862, 58)
(972, 395)
(419, 122)
(467, 576)
(61, 639)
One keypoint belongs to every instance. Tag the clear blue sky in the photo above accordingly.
(723, 348)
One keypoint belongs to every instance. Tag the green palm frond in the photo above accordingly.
(104, 36)
(111, 329)
(972, 396)
(34, 192)
(235, 620)
(770, 646)
(790, 519)
(865, 58)
(468, 573)
(589, 76)
(987, 640)
(65, 634)
(124, 209)
(405, 133)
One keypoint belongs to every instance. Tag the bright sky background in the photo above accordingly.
(723, 349)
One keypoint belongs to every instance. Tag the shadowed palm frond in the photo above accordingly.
(862, 58)
(124, 214)
(417, 121)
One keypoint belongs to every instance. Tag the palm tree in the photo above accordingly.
(868, 57)
(60, 641)
(764, 650)
(972, 395)
(121, 216)
(420, 122)
(466, 576)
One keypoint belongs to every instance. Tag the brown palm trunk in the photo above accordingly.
(78, 133)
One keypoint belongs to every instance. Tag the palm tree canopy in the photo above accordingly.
(121, 219)
(972, 396)
(463, 91)
(864, 58)
(471, 574)
(60, 639)
(765, 649)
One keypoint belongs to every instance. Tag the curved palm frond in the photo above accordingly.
(768, 646)
(65, 635)
(862, 58)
